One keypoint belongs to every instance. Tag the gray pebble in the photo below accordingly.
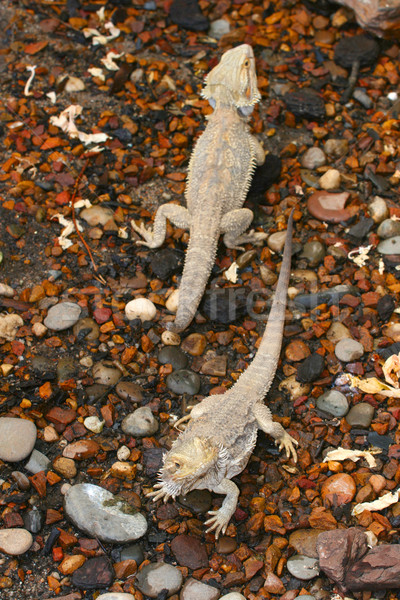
(360, 415)
(66, 368)
(99, 513)
(303, 567)
(86, 329)
(276, 241)
(105, 373)
(388, 228)
(378, 210)
(390, 246)
(313, 158)
(333, 402)
(96, 391)
(133, 552)
(115, 596)
(128, 390)
(219, 28)
(348, 350)
(314, 252)
(140, 423)
(17, 438)
(173, 356)
(62, 316)
(362, 97)
(37, 462)
(183, 382)
(196, 590)
(155, 577)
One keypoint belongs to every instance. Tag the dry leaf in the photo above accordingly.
(231, 273)
(379, 504)
(372, 385)
(391, 368)
(354, 455)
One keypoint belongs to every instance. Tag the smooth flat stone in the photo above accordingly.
(183, 381)
(140, 423)
(303, 567)
(196, 590)
(329, 207)
(304, 541)
(96, 215)
(96, 572)
(128, 390)
(333, 402)
(388, 229)
(390, 246)
(155, 577)
(173, 356)
(313, 158)
(99, 513)
(360, 415)
(348, 350)
(62, 316)
(15, 541)
(17, 438)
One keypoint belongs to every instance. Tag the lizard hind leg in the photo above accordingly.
(233, 226)
(154, 238)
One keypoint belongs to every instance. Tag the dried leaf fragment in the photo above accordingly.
(372, 385)
(391, 369)
(354, 455)
(360, 255)
(231, 273)
(9, 325)
(379, 504)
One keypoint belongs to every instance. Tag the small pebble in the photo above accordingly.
(276, 241)
(338, 489)
(385, 307)
(128, 390)
(219, 28)
(314, 252)
(156, 577)
(336, 148)
(21, 479)
(86, 329)
(196, 590)
(268, 277)
(172, 302)
(17, 438)
(390, 246)
(183, 382)
(123, 453)
(349, 350)
(62, 316)
(95, 573)
(197, 501)
(313, 158)
(65, 466)
(105, 373)
(94, 424)
(329, 207)
(66, 368)
(115, 596)
(34, 520)
(294, 388)
(189, 551)
(194, 344)
(302, 567)
(39, 330)
(333, 402)
(15, 541)
(296, 351)
(96, 215)
(233, 596)
(133, 552)
(37, 462)
(337, 331)
(173, 356)
(225, 545)
(362, 97)
(378, 210)
(330, 180)
(304, 541)
(140, 423)
(169, 338)
(140, 308)
(360, 415)
(388, 229)
(311, 368)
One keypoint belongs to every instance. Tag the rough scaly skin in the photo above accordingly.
(222, 430)
(219, 176)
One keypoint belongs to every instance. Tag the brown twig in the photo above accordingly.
(73, 199)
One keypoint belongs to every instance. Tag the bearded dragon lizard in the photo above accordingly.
(222, 430)
(219, 176)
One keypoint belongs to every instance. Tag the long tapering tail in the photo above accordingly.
(259, 375)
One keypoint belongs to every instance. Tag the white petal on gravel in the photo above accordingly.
(99, 513)
(379, 504)
(15, 541)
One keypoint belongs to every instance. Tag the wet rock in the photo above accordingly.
(194, 344)
(140, 423)
(96, 215)
(329, 207)
(388, 229)
(268, 277)
(330, 180)
(166, 262)
(37, 462)
(314, 252)
(385, 307)
(140, 308)
(105, 373)
(219, 28)
(62, 316)
(334, 403)
(183, 382)
(305, 102)
(173, 356)
(99, 513)
(189, 551)
(94, 573)
(66, 368)
(390, 246)
(187, 14)
(360, 415)
(349, 350)
(86, 329)
(81, 449)
(311, 368)
(170, 338)
(304, 541)
(197, 501)
(156, 577)
(337, 331)
(17, 438)
(336, 147)
(302, 567)
(129, 391)
(245, 258)
(379, 441)
(313, 158)
(225, 305)
(133, 552)
(378, 210)
(96, 391)
(338, 489)
(15, 541)
(34, 520)
(215, 367)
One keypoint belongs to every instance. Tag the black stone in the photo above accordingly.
(305, 102)
(361, 229)
(380, 441)
(225, 305)
(123, 135)
(187, 14)
(354, 48)
(265, 175)
(166, 262)
(173, 356)
(95, 573)
(311, 368)
(331, 296)
(33, 520)
(387, 352)
(385, 307)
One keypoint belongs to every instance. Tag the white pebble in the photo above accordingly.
(378, 209)
(6, 290)
(330, 180)
(140, 308)
(123, 453)
(64, 488)
(9, 325)
(94, 424)
(39, 329)
(172, 302)
(169, 338)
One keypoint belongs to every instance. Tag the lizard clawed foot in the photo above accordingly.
(287, 442)
(218, 522)
(147, 235)
(159, 493)
(251, 237)
(182, 420)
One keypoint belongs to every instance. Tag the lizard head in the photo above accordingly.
(234, 80)
(186, 463)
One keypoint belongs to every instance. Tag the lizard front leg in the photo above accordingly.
(221, 517)
(234, 224)
(282, 438)
(154, 238)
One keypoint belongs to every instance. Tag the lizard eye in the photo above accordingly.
(246, 62)
(177, 465)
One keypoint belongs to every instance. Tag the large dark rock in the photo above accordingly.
(381, 17)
